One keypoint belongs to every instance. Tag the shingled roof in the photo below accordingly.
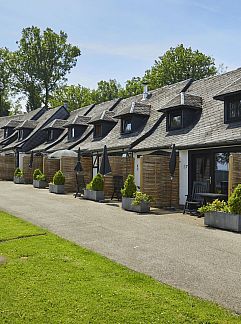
(12, 124)
(231, 89)
(104, 116)
(78, 120)
(209, 131)
(135, 108)
(56, 124)
(30, 124)
(183, 100)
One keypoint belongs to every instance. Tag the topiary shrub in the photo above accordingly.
(18, 173)
(41, 177)
(234, 201)
(36, 173)
(97, 183)
(59, 178)
(139, 197)
(216, 205)
(129, 187)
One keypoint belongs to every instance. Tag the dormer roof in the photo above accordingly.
(231, 89)
(107, 116)
(78, 120)
(56, 124)
(136, 108)
(30, 124)
(12, 124)
(183, 100)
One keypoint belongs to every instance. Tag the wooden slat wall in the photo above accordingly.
(50, 166)
(67, 165)
(155, 180)
(7, 167)
(234, 171)
(86, 162)
(27, 171)
(119, 166)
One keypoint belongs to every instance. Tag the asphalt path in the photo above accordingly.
(173, 248)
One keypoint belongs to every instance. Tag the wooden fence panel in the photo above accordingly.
(50, 166)
(155, 180)
(234, 171)
(27, 171)
(67, 165)
(7, 167)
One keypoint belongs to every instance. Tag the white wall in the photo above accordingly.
(183, 176)
(137, 170)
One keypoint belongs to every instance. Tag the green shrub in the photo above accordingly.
(41, 177)
(235, 201)
(129, 187)
(59, 178)
(216, 205)
(96, 184)
(36, 173)
(139, 197)
(18, 173)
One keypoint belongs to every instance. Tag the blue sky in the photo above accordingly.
(121, 39)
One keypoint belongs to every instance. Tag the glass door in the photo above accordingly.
(202, 169)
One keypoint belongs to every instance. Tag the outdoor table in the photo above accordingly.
(210, 196)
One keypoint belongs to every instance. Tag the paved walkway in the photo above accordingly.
(173, 248)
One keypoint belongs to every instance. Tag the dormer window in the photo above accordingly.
(126, 126)
(51, 135)
(73, 132)
(5, 132)
(175, 120)
(20, 134)
(97, 131)
(232, 109)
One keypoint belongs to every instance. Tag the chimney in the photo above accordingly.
(145, 91)
(182, 98)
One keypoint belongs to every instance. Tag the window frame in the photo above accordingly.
(20, 134)
(124, 123)
(170, 116)
(227, 108)
(98, 133)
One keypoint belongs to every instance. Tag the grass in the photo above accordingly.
(47, 279)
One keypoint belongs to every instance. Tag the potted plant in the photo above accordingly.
(18, 176)
(95, 189)
(220, 214)
(35, 175)
(40, 181)
(58, 183)
(133, 200)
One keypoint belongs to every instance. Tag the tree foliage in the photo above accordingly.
(5, 77)
(41, 63)
(179, 64)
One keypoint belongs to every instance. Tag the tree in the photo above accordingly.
(5, 80)
(41, 63)
(106, 90)
(132, 87)
(75, 96)
(179, 64)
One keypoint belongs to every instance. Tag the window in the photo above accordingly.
(126, 126)
(5, 132)
(72, 132)
(51, 135)
(97, 132)
(20, 134)
(233, 110)
(175, 121)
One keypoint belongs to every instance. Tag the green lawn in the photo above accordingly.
(47, 279)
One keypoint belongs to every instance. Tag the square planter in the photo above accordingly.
(227, 221)
(94, 195)
(143, 207)
(18, 180)
(40, 184)
(57, 189)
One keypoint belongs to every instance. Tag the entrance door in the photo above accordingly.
(201, 169)
(210, 167)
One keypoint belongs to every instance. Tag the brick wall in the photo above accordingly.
(7, 167)
(27, 171)
(155, 180)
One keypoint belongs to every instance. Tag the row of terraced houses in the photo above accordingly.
(202, 118)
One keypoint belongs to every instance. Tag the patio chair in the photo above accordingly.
(118, 183)
(80, 184)
(194, 201)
